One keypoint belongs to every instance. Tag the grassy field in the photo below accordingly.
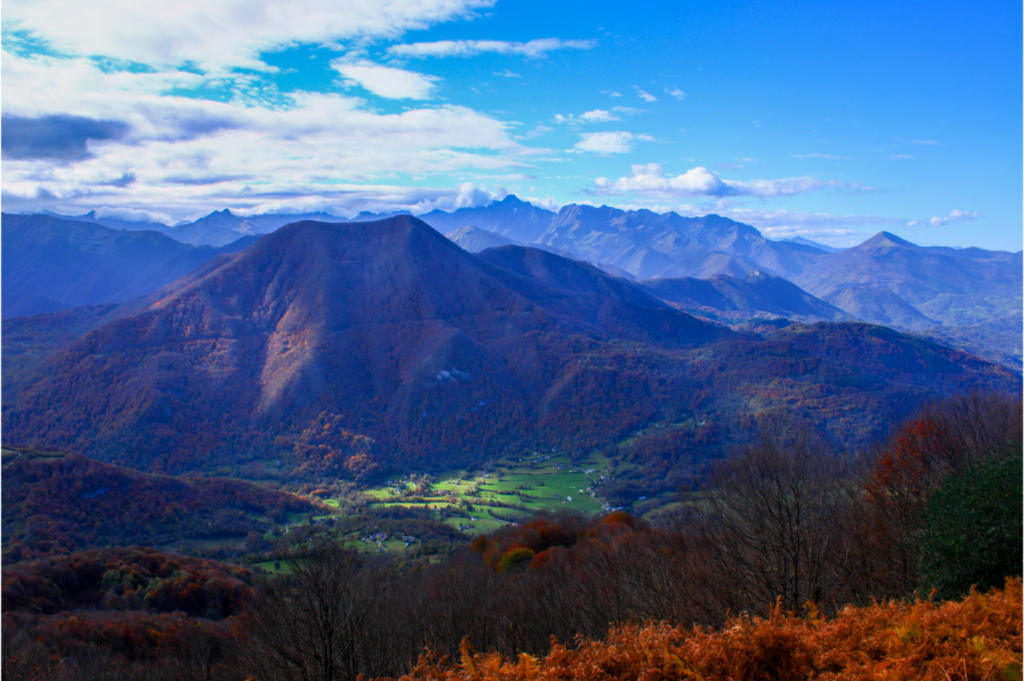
(511, 490)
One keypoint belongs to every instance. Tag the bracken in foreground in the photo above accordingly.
(976, 638)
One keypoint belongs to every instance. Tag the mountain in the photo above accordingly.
(953, 287)
(879, 305)
(28, 341)
(53, 264)
(997, 340)
(643, 243)
(55, 502)
(649, 244)
(347, 350)
(512, 218)
(112, 222)
(812, 244)
(731, 298)
(474, 240)
(223, 227)
(22, 305)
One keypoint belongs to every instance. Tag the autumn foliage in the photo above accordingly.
(57, 503)
(978, 637)
(126, 579)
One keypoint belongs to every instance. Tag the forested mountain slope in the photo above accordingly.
(382, 344)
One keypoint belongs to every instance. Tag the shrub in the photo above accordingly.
(515, 559)
(973, 528)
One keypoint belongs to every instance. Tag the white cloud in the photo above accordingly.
(647, 97)
(676, 92)
(188, 154)
(648, 180)
(595, 116)
(507, 74)
(647, 169)
(537, 131)
(899, 157)
(954, 216)
(924, 142)
(386, 81)
(534, 49)
(609, 142)
(130, 215)
(829, 157)
(549, 203)
(216, 34)
(611, 93)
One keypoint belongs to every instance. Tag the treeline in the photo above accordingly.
(58, 503)
(785, 525)
(127, 579)
(785, 522)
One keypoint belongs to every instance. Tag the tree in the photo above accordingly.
(775, 521)
(973, 528)
(309, 625)
(944, 438)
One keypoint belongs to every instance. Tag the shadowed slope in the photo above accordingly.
(52, 264)
(735, 298)
(386, 325)
(474, 240)
(385, 343)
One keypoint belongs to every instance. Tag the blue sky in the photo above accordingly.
(831, 121)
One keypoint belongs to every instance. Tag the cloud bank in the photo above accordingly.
(214, 34)
(649, 181)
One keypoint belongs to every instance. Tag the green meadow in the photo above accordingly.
(510, 490)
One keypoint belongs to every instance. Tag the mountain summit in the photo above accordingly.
(343, 347)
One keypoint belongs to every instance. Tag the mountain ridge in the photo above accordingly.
(54, 264)
(381, 345)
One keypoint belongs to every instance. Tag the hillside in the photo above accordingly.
(349, 349)
(56, 502)
(474, 240)
(954, 287)
(731, 298)
(126, 579)
(925, 640)
(27, 341)
(52, 264)
(997, 340)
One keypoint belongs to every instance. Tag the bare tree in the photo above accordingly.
(774, 523)
(308, 626)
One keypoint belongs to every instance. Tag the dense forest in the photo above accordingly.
(56, 502)
(791, 560)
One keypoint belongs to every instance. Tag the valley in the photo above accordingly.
(510, 442)
(499, 340)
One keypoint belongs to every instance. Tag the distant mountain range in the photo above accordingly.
(54, 264)
(346, 349)
(643, 243)
(885, 280)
